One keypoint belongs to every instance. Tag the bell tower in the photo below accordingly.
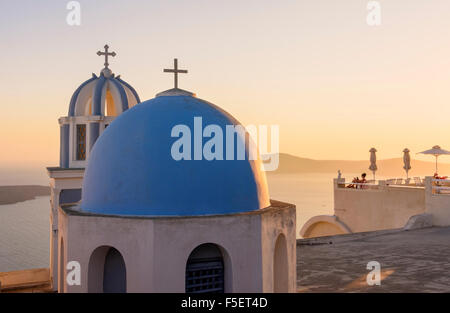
(93, 106)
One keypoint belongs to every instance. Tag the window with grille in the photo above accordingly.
(205, 275)
(81, 142)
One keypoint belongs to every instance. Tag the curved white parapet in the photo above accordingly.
(324, 225)
(419, 221)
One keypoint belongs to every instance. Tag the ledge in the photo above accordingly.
(74, 209)
(34, 279)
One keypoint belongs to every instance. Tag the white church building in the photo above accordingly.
(138, 219)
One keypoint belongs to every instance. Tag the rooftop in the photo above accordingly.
(411, 261)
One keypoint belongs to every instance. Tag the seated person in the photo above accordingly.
(355, 180)
(363, 180)
(438, 183)
(436, 176)
(358, 181)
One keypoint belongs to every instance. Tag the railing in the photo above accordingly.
(357, 185)
(441, 180)
(380, 184)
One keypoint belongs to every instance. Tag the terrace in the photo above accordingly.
(411, 261)
(383, 204)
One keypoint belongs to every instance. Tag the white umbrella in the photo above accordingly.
(373, 161)
(436, 151)
(406, 161)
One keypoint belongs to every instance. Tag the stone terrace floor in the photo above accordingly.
(411, 261)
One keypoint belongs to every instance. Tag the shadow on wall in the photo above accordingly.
(280, 265)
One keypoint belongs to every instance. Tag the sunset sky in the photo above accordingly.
(333, 84)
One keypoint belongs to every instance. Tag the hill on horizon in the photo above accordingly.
(388, 167)
(14, 194)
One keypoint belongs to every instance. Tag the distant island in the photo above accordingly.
(291, 164)
(14, 194)
(288, 164)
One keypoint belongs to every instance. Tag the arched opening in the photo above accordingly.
(280, 266)
(320, 229)
(205, 270)
(110, 104)
(88, 107)
(61, 267)
(114, 275)
(324, 225)
(107, 271)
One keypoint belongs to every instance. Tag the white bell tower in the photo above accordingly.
(93, 106)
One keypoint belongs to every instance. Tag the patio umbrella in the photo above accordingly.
(436, 151)
(373, 161)
(406, 161)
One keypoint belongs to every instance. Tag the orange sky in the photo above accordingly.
(334, 85)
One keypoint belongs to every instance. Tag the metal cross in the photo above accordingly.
(106, 54)
(175, 70)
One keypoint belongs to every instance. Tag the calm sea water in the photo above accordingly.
(24, 234)
(311, 193)
(24, 226)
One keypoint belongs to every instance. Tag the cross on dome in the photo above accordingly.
(106, 54)
(175, 70)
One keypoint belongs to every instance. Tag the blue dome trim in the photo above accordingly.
(123, 94)
(131, 88)
(97, 96)
(74, 98)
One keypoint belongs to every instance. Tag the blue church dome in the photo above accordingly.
(132, 169)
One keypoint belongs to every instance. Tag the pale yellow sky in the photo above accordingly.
(333, 84)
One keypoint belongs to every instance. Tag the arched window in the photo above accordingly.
(280, 266)
(114, 274)
(107, 271)
(110, 106)
(205, 270)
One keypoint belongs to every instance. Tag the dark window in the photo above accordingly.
(205, 270)
(114, 275)
(81, 142)
(69, 196)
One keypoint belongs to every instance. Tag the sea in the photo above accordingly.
(24, 226)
